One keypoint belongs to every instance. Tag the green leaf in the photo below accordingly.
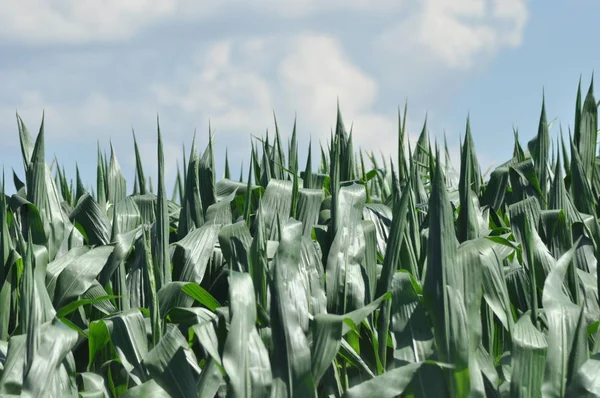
(200, 295)
(192, 215)
(245, 380)
(206, 176)
(26, 141)
(312, 276)
(42, 193)
(117, 186)
(206, 333)
(291, 360)
(235, 241)
(390, 265)
(98, 337)
(559, 198)
(139, 169)
(539, 148)
(525, 216)
(440, 258)
(370, 262)
(127, 332)
(74, 305)
(309, 204)
(96, 293)
(390, 384)
(78, 275)
(127, 214)
(496, 190)
(5, 302)
(381, 216)
(171, 296)
(328, 330)
(189, 316)
(220, 212)
(586, 132)
(56, 267)
(43, 378)
(150, 283)
(469, 183)
(226, 187)
(211, 379)
(93, 385)
(444, 294)
(409, 322)
(528, 359)
(11, 378)
(293, 151)
(173, 365)
(562, 318)
(581, 189)
(258, 264)
(192, 253)
(495, 289)
(123, 245)
(92, 218)
(586, 382)
(147, 389)
(276, 203)
(345, 286)
(160, 252)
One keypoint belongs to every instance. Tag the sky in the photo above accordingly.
(100, 69)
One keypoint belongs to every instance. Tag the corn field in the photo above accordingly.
(344, 276)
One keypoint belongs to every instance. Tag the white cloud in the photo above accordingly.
(79, 21)
(238, 94)
(512, 12)
(457, 33)
(238, 81)
(452, 30)
(304, 8)
(232, 96)
(316, 72)
(83, 21)
(453, 41)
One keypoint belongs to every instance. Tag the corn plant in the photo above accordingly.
(350, 275)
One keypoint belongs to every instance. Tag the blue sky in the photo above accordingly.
(100, 68)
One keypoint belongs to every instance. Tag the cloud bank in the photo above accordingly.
(99, 68)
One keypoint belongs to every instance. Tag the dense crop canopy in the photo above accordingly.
(361, 277)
